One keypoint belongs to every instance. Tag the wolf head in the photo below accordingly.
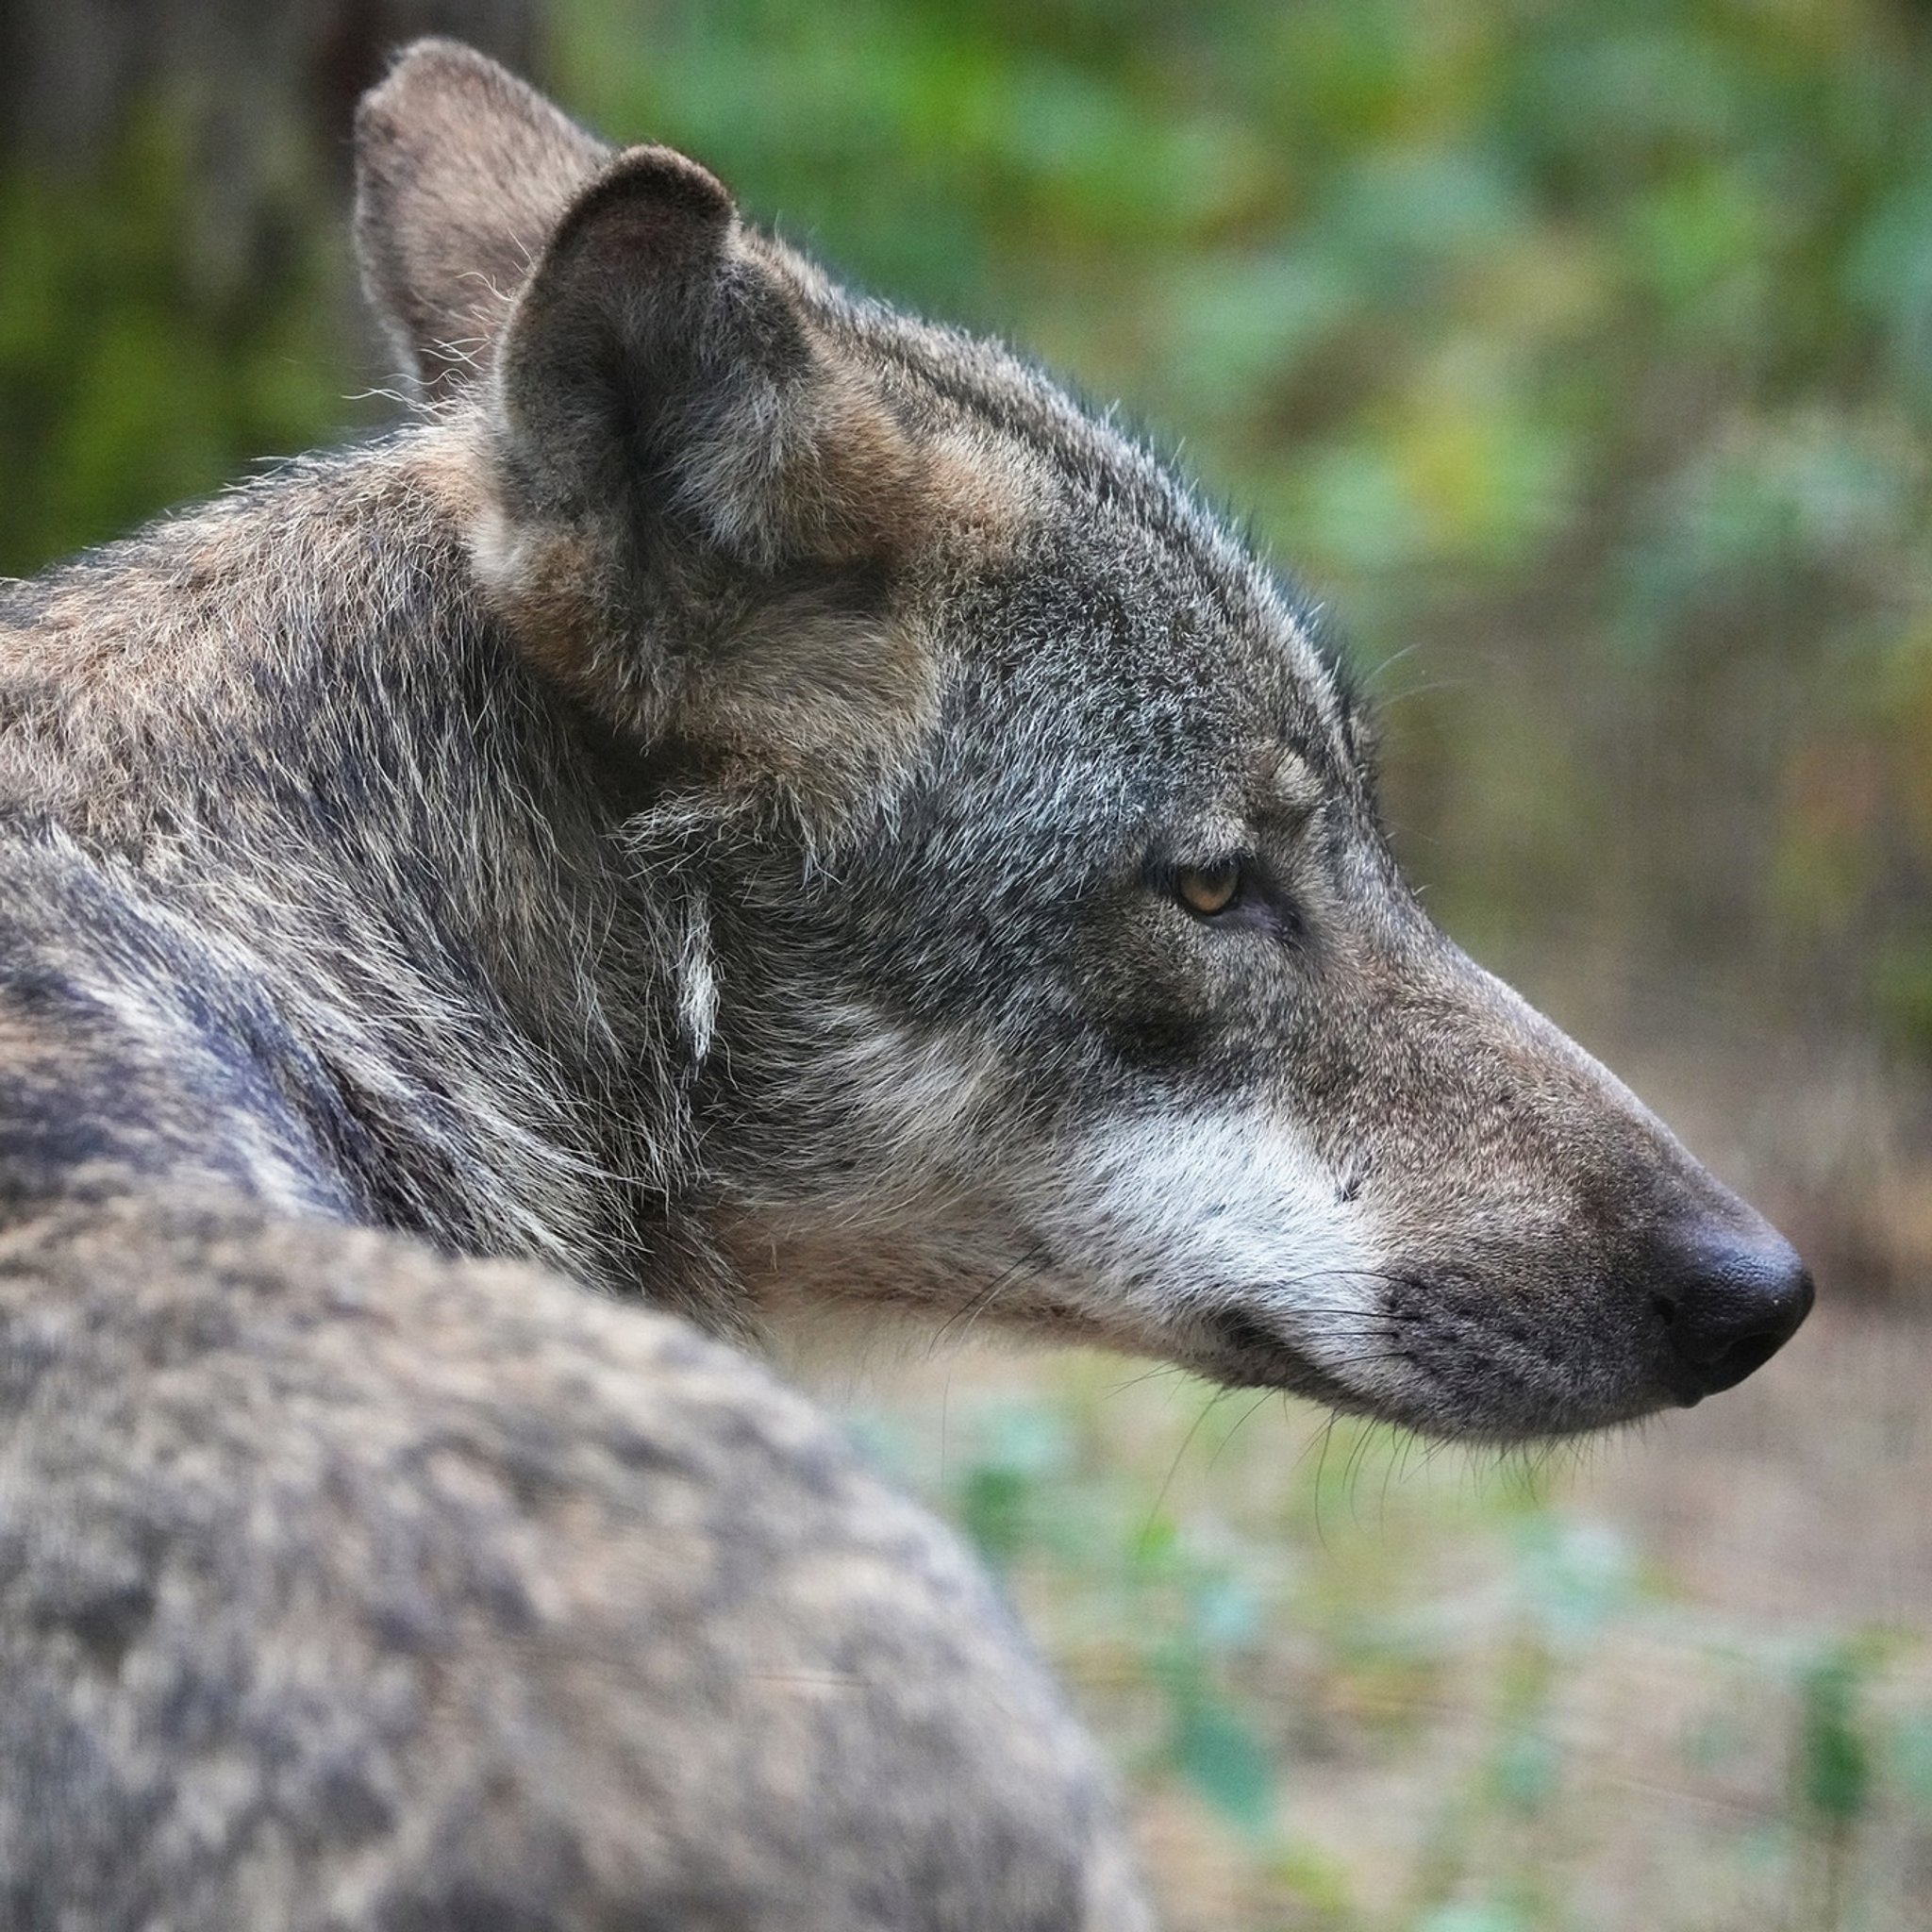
(1043, 962)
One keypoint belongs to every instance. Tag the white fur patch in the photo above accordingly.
(1163, 1218)
(500, 554)
(1140, 1228)
(698, 979)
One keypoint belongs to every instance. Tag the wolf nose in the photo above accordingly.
(1731, 1303)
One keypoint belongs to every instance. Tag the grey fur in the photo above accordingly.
(711, 808)
(394, 1592)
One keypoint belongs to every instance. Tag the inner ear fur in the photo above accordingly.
(664, 359)
(700, 494)
(462, 173)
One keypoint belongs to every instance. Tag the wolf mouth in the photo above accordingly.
(1241, 1351)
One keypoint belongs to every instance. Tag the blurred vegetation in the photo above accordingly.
(1582, 355)
(1355, 1686)
(174, 300)
(129, 380)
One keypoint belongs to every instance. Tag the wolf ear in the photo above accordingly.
(666, 367)
(699, 490)
(693, 488)
(462, 173)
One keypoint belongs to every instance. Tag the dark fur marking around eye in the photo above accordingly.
(1239, 892)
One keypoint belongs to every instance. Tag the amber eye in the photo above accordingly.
(1209, 889)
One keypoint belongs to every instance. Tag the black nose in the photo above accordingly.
(1730, 1301)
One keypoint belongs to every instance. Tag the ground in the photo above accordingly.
(1680, 1681)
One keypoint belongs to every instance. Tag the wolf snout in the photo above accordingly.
(1729, 1301)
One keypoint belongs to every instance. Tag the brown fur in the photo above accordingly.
(468, 171)
(398, 1593)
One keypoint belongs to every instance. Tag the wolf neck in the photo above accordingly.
(290, 738)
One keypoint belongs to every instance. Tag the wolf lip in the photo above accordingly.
(1245, 1352)
(1241, 1334)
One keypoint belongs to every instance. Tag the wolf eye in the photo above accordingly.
(1208, 890)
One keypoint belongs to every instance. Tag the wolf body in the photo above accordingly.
(344, 1586)
(760, 806)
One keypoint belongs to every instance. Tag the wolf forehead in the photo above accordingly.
(1124, 684)
(1112, 601)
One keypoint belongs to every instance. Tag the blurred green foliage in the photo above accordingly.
(138, 369)
(1359, 1692)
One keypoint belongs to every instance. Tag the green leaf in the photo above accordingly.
(1217, 1752)
(1835, 1764)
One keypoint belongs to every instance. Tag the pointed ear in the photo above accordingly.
(462, 173)
(701, 496)
(665, 363)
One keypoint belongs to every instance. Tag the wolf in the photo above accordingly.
(754, 805)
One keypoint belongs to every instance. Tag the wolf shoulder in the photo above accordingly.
(344, 1585)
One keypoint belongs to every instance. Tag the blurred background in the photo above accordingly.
(1580, 357)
